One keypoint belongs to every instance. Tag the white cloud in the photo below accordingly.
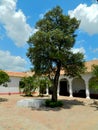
(80, 42)
(14, 22)
(34, 30)
(81, 50)
(12, 63)
(41, 16)
(88, 15)
(95, 58)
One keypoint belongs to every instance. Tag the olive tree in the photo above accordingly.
(50, 48)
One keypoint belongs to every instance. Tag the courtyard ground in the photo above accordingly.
(77, 114)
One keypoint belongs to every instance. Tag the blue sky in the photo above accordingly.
(17, 23)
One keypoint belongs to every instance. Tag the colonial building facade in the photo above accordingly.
(13, 85)
(78, 87)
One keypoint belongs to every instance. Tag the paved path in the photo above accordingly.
(77, 114)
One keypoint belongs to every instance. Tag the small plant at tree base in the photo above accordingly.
(53, 104)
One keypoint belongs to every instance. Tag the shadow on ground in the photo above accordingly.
(3, 100)
(67, 104)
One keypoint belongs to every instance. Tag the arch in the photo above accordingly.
(64, 87)
(78, 87)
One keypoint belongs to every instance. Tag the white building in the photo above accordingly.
(66, 86)
(13, 85)
(78, 86)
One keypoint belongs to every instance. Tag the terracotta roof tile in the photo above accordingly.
(16, 74)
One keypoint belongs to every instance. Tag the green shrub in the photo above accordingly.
(50, 103)
(27, 85)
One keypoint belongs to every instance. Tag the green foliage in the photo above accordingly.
(93, 83)
(75, 65)
(4, 78)
(43, 83)
(28, 85)
(52, 43)
(50, 48)
(95, 70)
(42, 87)
(50, 103)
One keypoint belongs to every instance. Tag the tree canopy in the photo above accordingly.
(4, 78)
(50, 48)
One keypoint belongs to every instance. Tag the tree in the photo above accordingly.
(4, 78)
(94, 81)
(50, 48)
(28, 85)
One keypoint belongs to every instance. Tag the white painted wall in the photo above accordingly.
(13, 86)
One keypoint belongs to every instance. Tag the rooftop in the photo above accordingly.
(88, 65)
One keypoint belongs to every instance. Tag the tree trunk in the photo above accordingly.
(54, 93)
(55, 83)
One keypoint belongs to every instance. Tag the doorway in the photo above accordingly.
(64, 88)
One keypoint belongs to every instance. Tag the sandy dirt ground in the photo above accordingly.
(77, 114)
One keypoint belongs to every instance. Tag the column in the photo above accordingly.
(47, 90)
(58, 89)
(70, 88)
(86, 78)
(87, 89)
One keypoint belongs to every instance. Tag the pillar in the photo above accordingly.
(47, 90)
(70, 88)
(86, 78)
(58, 89)
(87, 89)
